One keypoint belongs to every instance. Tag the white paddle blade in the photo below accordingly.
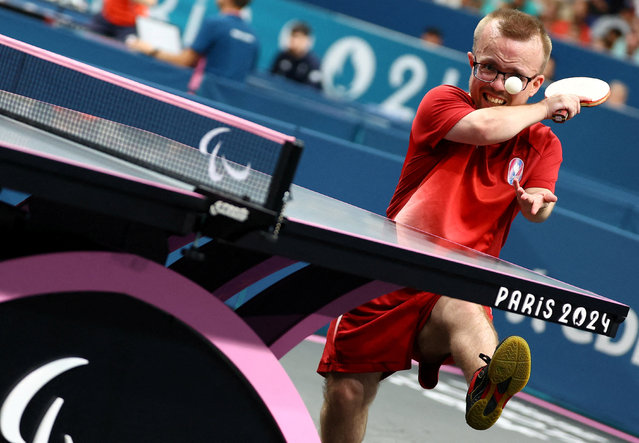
(592, 90)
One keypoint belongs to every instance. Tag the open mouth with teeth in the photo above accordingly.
(496, 101)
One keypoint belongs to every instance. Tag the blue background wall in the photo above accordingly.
(355, 141)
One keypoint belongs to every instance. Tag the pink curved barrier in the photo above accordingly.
(178, 296)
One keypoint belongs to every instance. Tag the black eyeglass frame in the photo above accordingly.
(506, 75)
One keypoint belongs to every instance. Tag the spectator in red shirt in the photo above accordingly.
(117, 18)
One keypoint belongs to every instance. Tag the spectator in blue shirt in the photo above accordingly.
(225, 44)
(297, 62)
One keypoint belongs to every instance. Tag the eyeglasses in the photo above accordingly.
(488, 74)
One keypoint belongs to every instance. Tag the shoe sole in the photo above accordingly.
(508, 372)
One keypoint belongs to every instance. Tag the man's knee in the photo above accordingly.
(449, 311)
(347, 391)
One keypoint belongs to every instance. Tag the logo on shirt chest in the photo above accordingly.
(515, 170)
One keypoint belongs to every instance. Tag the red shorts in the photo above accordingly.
(380, 335)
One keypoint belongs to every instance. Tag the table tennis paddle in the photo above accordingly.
(597, 91)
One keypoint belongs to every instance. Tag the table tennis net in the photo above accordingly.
(146, 126)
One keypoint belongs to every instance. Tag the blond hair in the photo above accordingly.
(516, 25)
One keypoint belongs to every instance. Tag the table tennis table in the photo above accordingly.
(349, 244)
(84, 261)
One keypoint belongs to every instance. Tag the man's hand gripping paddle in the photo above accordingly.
(592, 91)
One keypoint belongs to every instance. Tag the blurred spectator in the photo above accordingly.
(297, 62)
(450, 3)
(596, 9)
(571, 22)
(616, 6)
(618, 94)
(627, 48)
(117, 17)
(532, 7)
(550, 13)
(474, 5)
(610, 26)
(225, 46)
(605, 40)
(626, 45)
(432, 36)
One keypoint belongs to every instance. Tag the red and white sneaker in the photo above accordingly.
(505, 374)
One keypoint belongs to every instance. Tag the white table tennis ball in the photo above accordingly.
(513, 85)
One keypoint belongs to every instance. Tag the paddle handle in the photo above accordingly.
(560, 116)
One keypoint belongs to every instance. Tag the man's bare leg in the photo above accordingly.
(464, 330)
(347, 398)
(459, 328)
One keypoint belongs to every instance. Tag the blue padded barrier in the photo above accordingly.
(388, 139)
(315, 115)
(600, 144)
(260, 119)
(283, 100)
(599, 201)
(347, 171)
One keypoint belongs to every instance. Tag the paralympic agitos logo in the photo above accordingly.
(21, 395)
(239, 174)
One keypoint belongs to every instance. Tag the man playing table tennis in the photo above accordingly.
(474, 161)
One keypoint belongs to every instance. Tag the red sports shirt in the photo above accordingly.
(462, 192)
(123, 12)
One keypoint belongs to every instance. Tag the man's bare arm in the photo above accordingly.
(497, 124)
